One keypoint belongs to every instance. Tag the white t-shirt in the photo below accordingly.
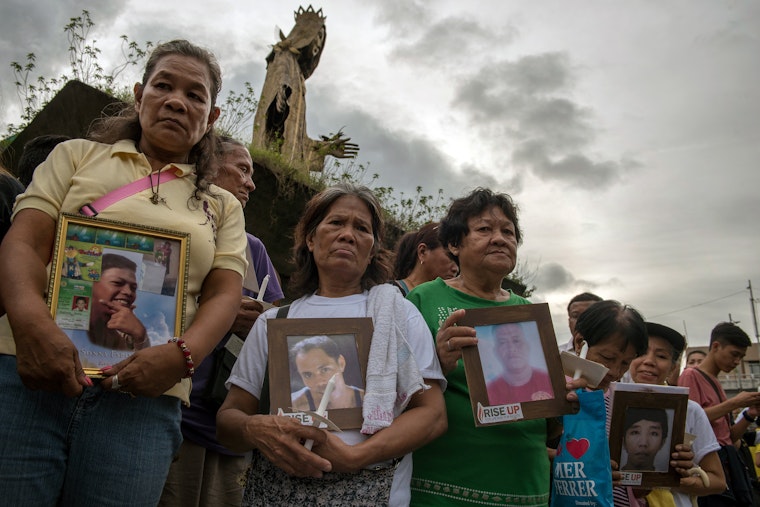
(705, 443)
(248, 372)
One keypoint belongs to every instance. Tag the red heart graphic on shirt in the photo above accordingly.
(577, 447)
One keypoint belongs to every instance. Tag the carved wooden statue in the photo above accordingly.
(280, 121)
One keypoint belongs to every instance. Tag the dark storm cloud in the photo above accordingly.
(553, 277)
(546, 132)
(403, 159)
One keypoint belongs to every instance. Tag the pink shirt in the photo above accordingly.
(539, 387)
(701, 391)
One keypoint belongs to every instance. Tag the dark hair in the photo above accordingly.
(583, 296)
(728, 333)
(636, 414)
(321, 342)
(126, 125)
(454, 225)
(607, 318)
(110, 261)
(305, 278)
(675, 339)
(34, 153)
(80, 298)
(406, 248)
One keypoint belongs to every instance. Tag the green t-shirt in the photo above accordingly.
(495, 465)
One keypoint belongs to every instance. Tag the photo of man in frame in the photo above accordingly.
(519, 373)
(316, 359)
(646, 439)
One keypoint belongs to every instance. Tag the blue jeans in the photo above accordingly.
(101, 448)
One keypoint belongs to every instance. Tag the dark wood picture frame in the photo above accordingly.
(161, 258)
(350, 334)
(535, 321)
(670, 399)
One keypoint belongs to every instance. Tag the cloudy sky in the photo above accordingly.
(628, 131)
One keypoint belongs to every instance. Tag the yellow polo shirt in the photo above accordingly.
(79, 171)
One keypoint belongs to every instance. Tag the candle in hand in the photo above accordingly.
(582, 355)
(323, 406)
(263, 289)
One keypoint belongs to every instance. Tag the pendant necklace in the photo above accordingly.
(156, 197)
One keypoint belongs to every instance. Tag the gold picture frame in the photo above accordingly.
(304, 353)
(146, 270)
(653, 411)
(514, 373)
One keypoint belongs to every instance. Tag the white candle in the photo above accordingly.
(263, 289)
(323, 406)
(582, 355)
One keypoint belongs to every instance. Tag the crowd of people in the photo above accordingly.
(141, 433)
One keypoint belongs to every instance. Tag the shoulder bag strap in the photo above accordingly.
(92, 209)
(282, 313)
(717, 391)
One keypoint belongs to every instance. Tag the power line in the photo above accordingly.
(698, 304)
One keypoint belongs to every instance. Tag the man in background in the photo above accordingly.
(577, 305)
(205, 473)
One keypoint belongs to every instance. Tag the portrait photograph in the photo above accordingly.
(514, 372)
(514, 366)
(647, 423)
(314, 360)
(112, 300)
(304, 354)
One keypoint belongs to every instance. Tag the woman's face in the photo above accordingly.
(612, 353)
(437, 263)
(116, 285)
(317, 368)
(174, 107)
(342, 242)
(642, 442)
(654, 366)
(489, 246)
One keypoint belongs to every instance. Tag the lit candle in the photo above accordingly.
(263, 289)
(323, 406)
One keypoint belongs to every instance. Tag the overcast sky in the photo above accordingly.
(627, 131)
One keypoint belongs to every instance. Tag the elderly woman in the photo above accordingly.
(420, 257)
(507, 461)
(69, 439)
(341, 271)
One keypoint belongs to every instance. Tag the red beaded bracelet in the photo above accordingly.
(189, 364)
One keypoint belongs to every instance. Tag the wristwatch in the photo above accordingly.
(748, 417)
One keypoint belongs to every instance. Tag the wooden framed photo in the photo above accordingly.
(647, 423)
(514, 373)
(305, 353)
(116, 288)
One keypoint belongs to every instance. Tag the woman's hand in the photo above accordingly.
(249, 311)
(280, 439)
(451, 339)
(148, 372)
(617, 475)
(683, 459)
(46, 357)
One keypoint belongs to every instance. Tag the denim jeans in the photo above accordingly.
(101, 448)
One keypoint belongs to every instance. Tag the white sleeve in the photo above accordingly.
(698, 424)
(422, 344)
(250, 367)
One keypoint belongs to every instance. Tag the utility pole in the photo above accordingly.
(754, 312)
